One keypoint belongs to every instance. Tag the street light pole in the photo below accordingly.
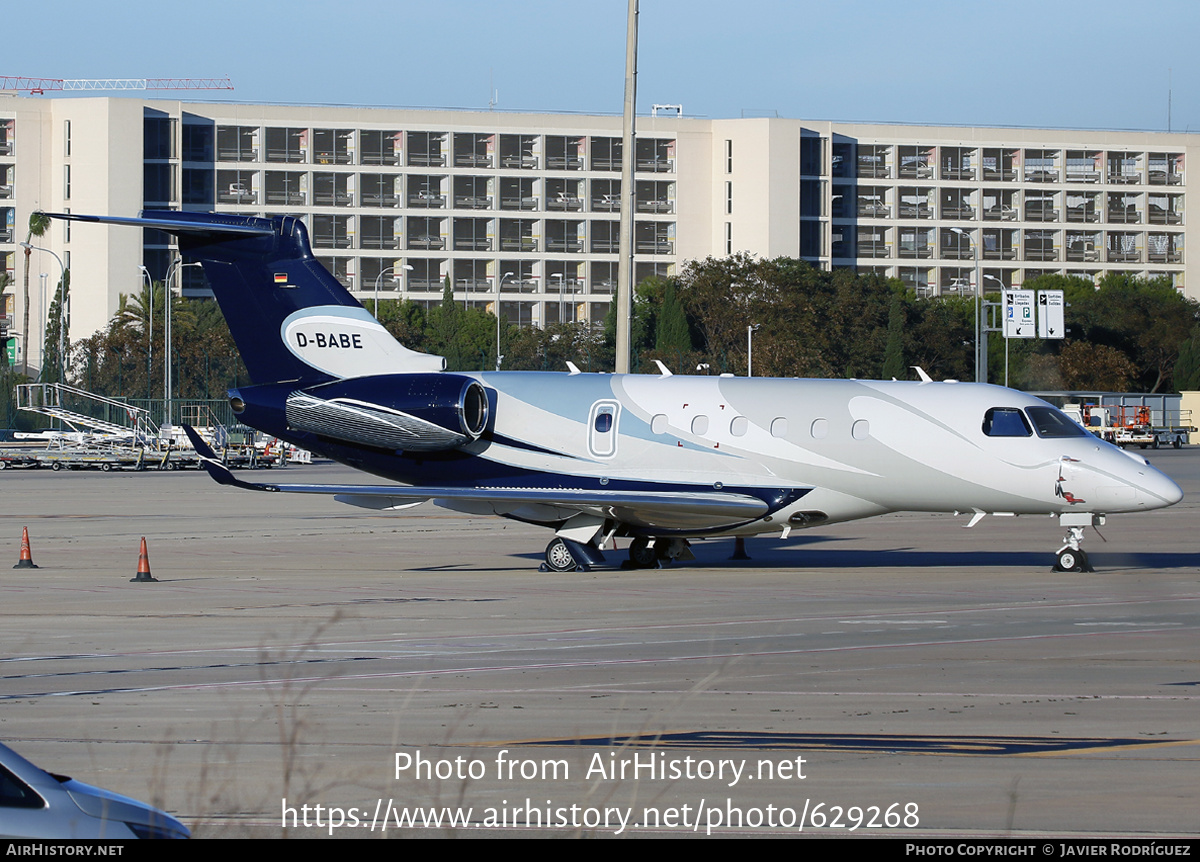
(149, 325)
(42, 276)
(499, 287)
(378, 278)
(750, 330)
(395, 277)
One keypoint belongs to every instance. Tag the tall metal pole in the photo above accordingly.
(625, 247)
(149, 326)
(42, 276)
(168, 293)
(500, 287)
(378, 279)
(980, 362)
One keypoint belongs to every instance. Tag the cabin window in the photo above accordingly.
(603, 440)
(658, 424)
(819, 429)
(779, 427)
(1005, 422)
(739, 426)
(1053, 423)
(860, 430)
(700, 425)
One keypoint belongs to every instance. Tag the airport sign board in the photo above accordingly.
(1018, 314)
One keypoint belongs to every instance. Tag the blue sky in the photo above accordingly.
(1055, 63)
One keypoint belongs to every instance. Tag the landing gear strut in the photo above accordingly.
(1071, 556)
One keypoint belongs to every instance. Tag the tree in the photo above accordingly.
(1095, 367)
(672, 330)
(406, 321)
(466, 337)
(893, 354)
(1187, 366)
(942, 337)
(1146, 319)
(57, 347)
(114, 361)
(811, 323)
(39, 222)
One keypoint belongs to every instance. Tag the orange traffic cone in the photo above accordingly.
(26, 561)
(143, 572)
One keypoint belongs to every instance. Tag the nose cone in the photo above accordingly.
(1163, 487)
(1152, 488)
(1124, 482)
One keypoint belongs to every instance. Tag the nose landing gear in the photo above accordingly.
(1071, 556)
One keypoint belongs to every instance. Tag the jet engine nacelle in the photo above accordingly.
(409, 412)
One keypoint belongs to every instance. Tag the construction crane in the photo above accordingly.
(40, 86)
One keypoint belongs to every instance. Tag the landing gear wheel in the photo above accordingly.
(1070, 560)
(641, 555)
(559, 557)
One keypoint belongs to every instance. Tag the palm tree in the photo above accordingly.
(38, 223)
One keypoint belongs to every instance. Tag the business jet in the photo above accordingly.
(656, 459)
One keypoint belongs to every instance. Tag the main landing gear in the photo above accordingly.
(559, 557)
(645, 553)
(566, 555)
(1071, 556)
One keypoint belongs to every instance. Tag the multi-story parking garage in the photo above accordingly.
(523, 208)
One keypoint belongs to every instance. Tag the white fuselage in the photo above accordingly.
(863, 447)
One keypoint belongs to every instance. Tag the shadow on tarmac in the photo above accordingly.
(773, 553)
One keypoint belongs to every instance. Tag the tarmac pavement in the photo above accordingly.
(925, 679)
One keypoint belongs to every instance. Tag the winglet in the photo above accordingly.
(220, 474)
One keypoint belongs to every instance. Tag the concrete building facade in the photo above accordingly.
(523, 209)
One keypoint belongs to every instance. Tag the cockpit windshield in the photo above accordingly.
(1053, 423)
(1012, 422)
(1005, 422)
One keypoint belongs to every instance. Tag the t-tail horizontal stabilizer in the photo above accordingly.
(292, 321)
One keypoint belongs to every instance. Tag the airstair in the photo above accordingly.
(105, 418)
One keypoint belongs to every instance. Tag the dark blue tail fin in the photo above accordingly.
(291, 319)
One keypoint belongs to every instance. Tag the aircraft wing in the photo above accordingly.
(649, 509)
